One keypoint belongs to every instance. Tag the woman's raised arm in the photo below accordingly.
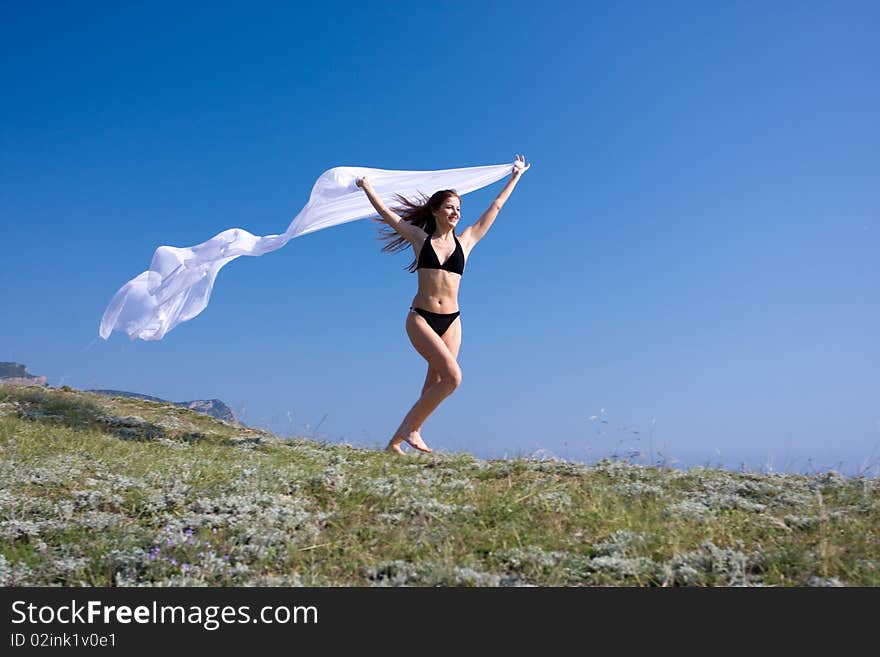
(406, 230)
(478, 230)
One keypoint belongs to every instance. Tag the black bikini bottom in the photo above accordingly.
(440, 322)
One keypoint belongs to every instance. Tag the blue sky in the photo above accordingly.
(694, 250)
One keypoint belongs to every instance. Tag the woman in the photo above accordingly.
(433, 323)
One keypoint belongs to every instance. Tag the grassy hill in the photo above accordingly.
(118, 491)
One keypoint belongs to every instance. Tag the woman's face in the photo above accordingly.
(449, 212)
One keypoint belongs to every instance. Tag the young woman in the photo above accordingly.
(433, 323)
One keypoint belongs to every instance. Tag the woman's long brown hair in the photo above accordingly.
(417, 213)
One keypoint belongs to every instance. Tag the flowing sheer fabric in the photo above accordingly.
(178, 284)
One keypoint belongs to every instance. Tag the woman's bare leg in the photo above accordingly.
(452, 339)
(443, 377)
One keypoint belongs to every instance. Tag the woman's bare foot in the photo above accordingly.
(394, 448)
(415, 439)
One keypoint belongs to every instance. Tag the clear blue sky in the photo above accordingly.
(695, 249)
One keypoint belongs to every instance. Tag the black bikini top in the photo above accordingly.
(428, 258)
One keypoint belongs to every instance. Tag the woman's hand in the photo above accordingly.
(520, 166)
(362, 182)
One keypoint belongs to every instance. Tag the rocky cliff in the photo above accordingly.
(16, 374)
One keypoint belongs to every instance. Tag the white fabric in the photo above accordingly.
(178, 284)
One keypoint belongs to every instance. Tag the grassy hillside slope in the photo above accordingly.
(115, 491)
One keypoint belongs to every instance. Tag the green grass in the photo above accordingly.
(99, 491)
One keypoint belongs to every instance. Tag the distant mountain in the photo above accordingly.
(13, 371)
(17, 374)
(122, 393)
(212, 407)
